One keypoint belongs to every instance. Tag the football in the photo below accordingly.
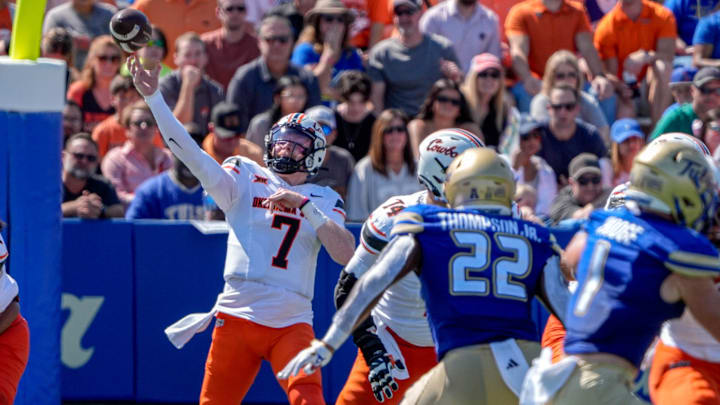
(131, 29)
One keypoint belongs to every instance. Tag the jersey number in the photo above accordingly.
(595, 277)
(478, 260)
(280, 258)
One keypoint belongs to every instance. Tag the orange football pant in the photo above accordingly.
(357, 391)
(677, 378)
(238, 348)
(14, 352)
(554, 338)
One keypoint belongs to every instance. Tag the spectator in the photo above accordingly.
(444, 107)
(226, 139)
(471, 27)
(189, 93)
(627, 141)
(252, 85)
(585, 192)
(711, 136)
(532, 43)
(295, 12)
(634, 38)
(387, 170)
(485, 93)
(563, 68)
(58, 44)
(532, 170)
(110, 132)
(707, 35)
(138, 159)
(7, 12)
(86, 194)
(526, 200)
(176, 17)
(353, 116)
(174, 194)
(232, 45)
(338, 164)
(705, 97)
(290, 96)
(403, 68)
(687, 14)
(85, 20)
(92, 91)
(324, 45)
(681, 86)
(72, 120)
(153, 53)
(564, 137)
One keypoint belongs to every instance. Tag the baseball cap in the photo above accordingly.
(417, 4)
(625, 128)
(682, 75)
(485, 61)
(322, 115)
(528, 124)
(706, 75)
(227, 120)
(584, 163)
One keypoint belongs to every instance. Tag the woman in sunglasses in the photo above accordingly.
(484, 89)
(562, 68)
(387, 170)
(92, 91)
(445, 107)
(290, 96)
(138, 159)
(324, 44)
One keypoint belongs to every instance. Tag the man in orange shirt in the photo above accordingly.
(632, 37)
(226, 139)
(538, 28)
(176, 17)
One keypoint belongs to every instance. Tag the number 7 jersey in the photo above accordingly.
(479, 273)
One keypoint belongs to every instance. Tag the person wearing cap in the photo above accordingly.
(531, 169)
(232, 45)
(226, 139)
(404, 68)
(339, 163)
(627, 141)
(584, 193)
(706, 52)
(680, 86)
(705, 92)
(471, 27)
(324, 45)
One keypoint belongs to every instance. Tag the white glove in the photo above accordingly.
(310, 359)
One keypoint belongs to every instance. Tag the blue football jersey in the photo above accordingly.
(161, 197)
(617, 307)
(479, 273)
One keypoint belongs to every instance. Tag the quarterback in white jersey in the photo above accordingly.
(277, 225)
(14, 333)
(395, 344)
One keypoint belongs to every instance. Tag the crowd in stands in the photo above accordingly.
(568, 90)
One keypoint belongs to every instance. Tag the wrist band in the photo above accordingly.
(313, 214)
(305, 201)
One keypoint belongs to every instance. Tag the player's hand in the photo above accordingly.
(310, 359)
(146, 81)
(285, 199)
(381, 380)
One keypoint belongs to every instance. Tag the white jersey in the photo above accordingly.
(271, 258)
(401, 307)
(686, 334)
(8, 286)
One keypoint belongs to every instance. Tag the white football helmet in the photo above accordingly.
(437, 151)
(287, 126)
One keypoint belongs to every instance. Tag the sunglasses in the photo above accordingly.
(707, 91)
(566, 106)
(390, 130)
(109, 58)
(492, 73)
(404, 12)
(453, 101)
(330, 18)
(143, 124)
(81, 156)
(239, 9)
(281, 39)
(568, 75)
(585, 180)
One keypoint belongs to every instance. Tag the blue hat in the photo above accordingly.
(682, 74)
(625, 128)
(528, 124)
